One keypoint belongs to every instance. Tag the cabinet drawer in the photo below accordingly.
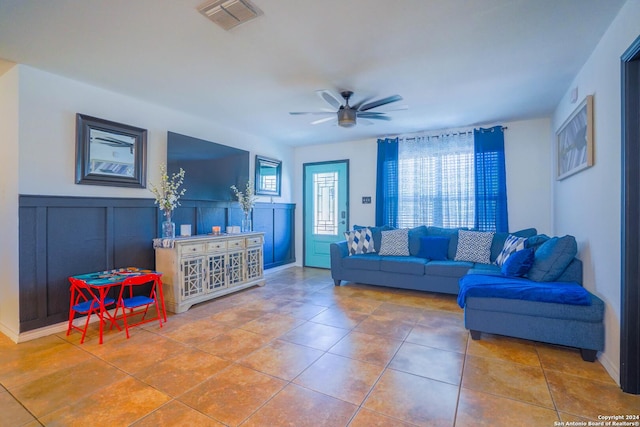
(192, 248)
(235, 244)
(254, 241)
(216, 246)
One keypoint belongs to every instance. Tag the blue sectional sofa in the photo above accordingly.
(518, 307)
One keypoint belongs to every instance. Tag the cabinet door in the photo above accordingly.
(235, 268)
(254, 262)
(192, 272)
(216, 272)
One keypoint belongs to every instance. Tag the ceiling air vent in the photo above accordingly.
(229, 13)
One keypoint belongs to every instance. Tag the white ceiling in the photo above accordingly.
(456, 62)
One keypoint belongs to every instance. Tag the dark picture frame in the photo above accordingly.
(268, 176)
(110, 153)
(574, 148)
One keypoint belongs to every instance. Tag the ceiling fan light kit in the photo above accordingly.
(347, 115)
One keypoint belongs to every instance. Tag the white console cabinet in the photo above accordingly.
(200, 268)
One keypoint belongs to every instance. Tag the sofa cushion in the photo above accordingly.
(552, 258)
(403, 264)
(512, 244)
(376, 232)
(519, 263)
(535, 241)
(486, 269)
(434, 247)
(359, 241)
(362, 262)
(452, 233)
(447, 268)
(474, 246)
(499, 238)
(415, 234)
(395, 242)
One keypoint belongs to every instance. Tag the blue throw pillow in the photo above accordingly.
(434, 247)
(519, 263)
(552, 258)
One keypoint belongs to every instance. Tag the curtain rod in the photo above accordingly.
(413, 138)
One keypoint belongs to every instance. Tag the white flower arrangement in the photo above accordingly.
(246, 199)
(169, 192)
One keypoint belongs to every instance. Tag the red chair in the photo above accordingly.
(84, 301)
(132, 302)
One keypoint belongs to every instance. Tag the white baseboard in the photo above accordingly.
(611, 368)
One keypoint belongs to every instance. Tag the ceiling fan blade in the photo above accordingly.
(370, 114)
(299, 113)
(381, 102)
(365, 122)
(329, 98)
(376, 117)
(326, 119)
(361, 103)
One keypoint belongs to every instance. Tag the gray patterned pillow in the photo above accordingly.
(474, 246)
(359, 241)
(395, 242)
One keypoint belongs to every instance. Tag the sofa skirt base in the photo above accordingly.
(586, 335)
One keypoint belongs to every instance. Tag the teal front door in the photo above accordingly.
(325, 209)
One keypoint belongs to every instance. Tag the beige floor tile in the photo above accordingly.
(121, 403)
(176, 413)
(315, 335)
(272, 325)
(399, 312)
(301, 309)
(367, 348)
(413, 399)
(235, 344)
(233, 395)
(195, 331)
(300, 407)
(48, 393)
(445, 337)
(589, 398)
(367, 418)
(507, 379)
(334, 316)
(176, 375)
(340, 377)
(384, 326)
(281, 359)
(13, 413)
(505, 348)
(568, 361)
(441, 365)
(483, 409)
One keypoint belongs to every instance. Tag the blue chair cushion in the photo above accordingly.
(519, 263)
(137, 301)
(362, 262)
(415, 236)
(85, 307)
(552, 258)
(434, 247)
(403, 264)
(447, 268)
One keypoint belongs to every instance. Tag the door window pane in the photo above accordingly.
(325, 198)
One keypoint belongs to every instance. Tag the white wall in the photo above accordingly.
(39, 146)
(528, 161)
(9, 115)
(49, 104)
(588, 204)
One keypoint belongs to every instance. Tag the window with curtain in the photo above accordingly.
(449, 180)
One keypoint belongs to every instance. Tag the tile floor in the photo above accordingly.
(302, 352)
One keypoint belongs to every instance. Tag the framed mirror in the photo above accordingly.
(268, 173)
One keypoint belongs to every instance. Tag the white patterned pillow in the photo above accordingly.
(395, 242)
(474, 246)
(359, 241)
(511, 245)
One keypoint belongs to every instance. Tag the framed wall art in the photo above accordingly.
(110, 153)
(574, 149)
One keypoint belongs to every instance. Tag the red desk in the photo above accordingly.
(103, 281)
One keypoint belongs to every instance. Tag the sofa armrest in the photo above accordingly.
(338, 251)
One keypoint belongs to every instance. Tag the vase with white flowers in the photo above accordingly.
(246, 200)
(168, 194)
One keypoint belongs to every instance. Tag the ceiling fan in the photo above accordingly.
(347, 114)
